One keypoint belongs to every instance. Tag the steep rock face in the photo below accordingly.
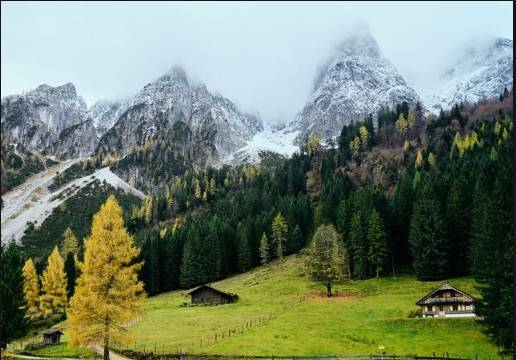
(104, 114)
(482, 72)
(357, 81)
(172, 98)
(37, 119)
(76, 141)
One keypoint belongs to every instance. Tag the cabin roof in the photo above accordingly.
(52, 331)
(427, 299)
(207, 286)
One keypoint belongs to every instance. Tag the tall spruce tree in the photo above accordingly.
(427, 238)
(357, 246)
(279, 234)
(244, 251)
(71, 273)
(377, 242)
(264, 249)
(12, 315)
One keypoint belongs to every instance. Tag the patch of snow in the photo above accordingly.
(33, 202)
(269, 140)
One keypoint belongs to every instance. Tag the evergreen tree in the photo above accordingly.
(327, 257)
(428, 239)
(279, 234)
(31, 290)
(264, 249)
(357, 245)
(458, 211)
(296, 240)
(12, 316)
(189, 269)
(71, 273)
(70, 243)
(377, 242)
(108, 293)
(244, 252)
(53, 298)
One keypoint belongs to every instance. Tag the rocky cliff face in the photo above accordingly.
(37, 118)
(358, 80)
(75, 141)
(482, 72)
(104, 114)
(212, 119)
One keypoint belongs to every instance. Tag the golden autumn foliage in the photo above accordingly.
(70, 243)
(108, 293)
(419, 159)
(53, 299)
(31, 290)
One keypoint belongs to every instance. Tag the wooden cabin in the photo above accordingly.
(207, 295)
(52, 336)
(447, 301)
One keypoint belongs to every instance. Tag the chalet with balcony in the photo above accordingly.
(447, 301)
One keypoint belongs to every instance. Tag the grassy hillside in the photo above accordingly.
(303, 321)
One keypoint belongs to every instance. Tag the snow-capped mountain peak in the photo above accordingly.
(481, 72)
(356, 81)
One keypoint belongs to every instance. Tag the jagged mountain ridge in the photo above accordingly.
(356, 81)
(55, 121)
(172, 98)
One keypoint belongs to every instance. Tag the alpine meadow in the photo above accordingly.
(339, 188)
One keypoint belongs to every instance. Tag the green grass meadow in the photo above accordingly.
(282, 312)
(300, 320)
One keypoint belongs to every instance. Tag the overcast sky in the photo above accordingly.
(263, 56)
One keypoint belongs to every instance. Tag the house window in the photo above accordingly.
(428, 308)
(455, 307)
(441, 308)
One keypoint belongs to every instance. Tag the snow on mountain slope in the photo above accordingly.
(482, 72)
(357, 81)
(212, 119)
(33, 202)
(269, 140)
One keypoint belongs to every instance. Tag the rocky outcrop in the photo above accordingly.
(37, 118)
(76, 141)
(358, 80)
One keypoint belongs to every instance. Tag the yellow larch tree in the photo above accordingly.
(31, 290)
(53, 299)
(70, 243)
(419, 159)
(108, 293)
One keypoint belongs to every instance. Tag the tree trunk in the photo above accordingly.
(377, 271)
(106, 347)
(328, 289)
